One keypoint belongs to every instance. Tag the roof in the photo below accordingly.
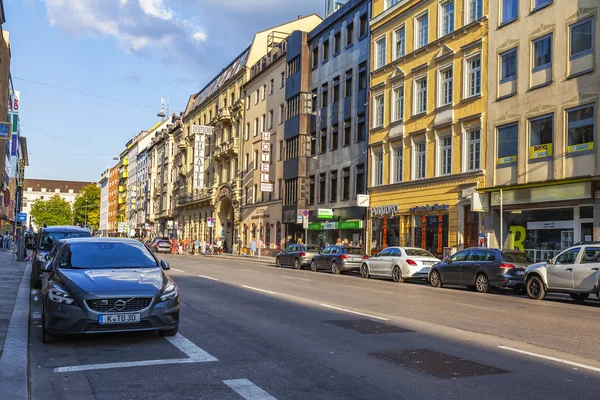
(61, 228)
(52, 185)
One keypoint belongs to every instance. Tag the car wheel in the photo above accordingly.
(520, 291)
(364, 270)
(334, 268)
(170, 332)
(297, 264)
(313, 266)
(396, 274)
(278, 262)
(36, 282)
(579, 297)
(435, 279)
(47, 337)
(482, 283)
(535, 288)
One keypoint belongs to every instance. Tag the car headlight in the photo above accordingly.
(170, 292)
(59, 295)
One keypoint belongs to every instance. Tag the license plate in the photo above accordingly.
(118, 318)
(520, 272)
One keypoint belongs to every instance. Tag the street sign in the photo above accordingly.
(210, 222)
(266, 147)
(299, 216)
(122, 227)
(22, 217)
(266, 187)
(304, 222)
(264, 178)
(5, 130)
(305, 212)
(266, 136)
(362, 200)
(265, 167)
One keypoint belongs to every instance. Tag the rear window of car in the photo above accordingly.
(313, 249)
(99, 255)
(516, 257)
(49, 239)
(418, 253)
(349, 250)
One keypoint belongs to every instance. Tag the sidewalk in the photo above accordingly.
(14, 325)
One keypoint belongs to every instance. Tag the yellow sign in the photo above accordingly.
(540, 151)
(580, 147)
(507, 160)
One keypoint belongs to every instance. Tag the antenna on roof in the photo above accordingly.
(161, 113)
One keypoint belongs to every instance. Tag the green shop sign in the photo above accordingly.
(315, 226)
(350, 225)
(325, 213)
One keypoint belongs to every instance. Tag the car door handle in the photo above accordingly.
(569, 269)
(594, 269)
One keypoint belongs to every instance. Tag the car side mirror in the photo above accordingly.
(47, 266)
(164, 265)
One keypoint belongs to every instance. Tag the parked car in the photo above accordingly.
(338, 259)
(161, 245)
(298, 255)
(42, 246)
(481, 269)
(575, 271)
(399, 263)
(107, 285)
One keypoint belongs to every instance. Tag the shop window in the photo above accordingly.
(431, 232)
(507, 144)
(580, 128)
(541, 134)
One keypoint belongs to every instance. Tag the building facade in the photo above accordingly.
(543, 155)
(427, 137)
(113, 199)
(123, 166)
(104, 194)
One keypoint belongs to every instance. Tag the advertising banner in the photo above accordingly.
(199, 152)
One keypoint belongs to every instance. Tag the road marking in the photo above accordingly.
(258, 290)
(474, 306)
(355, 312)
(293, 277)
(248, 390)
(178, 270)
(250, 270)
(558, 360)
(195, 354)
(208, 277)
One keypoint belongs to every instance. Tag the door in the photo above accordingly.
(587, 230)
(560, 275)
(451, 269)
(322, 259)
(471, 265)
(392, 259)
(471, 227)
(586, 271)
(375, 264)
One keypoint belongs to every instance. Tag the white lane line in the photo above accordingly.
(178, 270)
(250, 270)
(190, 349)
(474, 306)
(293, 277)
(354, 312)
(558, 360)
(208, 277)
(258, 290)
(248, 390)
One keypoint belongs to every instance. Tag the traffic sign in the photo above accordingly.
(305, 212)
(22, 217)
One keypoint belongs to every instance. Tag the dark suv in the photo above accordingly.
(45, 240)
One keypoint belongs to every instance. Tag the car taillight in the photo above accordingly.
(507, 266)
(303, 254)
(411, 262)
(343, 257)
(365, 257)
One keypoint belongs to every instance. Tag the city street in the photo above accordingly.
(250, 330)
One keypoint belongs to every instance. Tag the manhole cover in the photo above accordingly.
(437, 364)
(368, 326)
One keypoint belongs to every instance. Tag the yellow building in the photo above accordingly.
(427, 136)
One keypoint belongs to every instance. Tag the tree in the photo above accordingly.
(86, 208)
(54, 211)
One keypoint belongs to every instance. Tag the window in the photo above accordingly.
(580, 128)
(398, 103)
(348, 85)
(293, 66)
(508, 65)
(291, 194)
(315, 57)
(247, 134)
(263, 122)
(445, 86)
(474, 150)
(361, 128)
(336, 90)
(422, 33)
(313, 143)
(293, 107)
(363, 27)
(389, 3)
(246, 195)
(447, 17)
(541, 133)
(582, 37)
(335, 137)
(568, 257)
(349, 34)
(347, 133)
(508, 143)
(591, 255)
(445, 144)
(346, 184)
(399, 42)
(333, 186)
(311, 189)
(256, 96)
(255, 193)
(510, 11)
(255, 126)
(292, 148)
(362, 76)
(314, 100)
(475, 10)
(263, 92)
(474, 76)
(323, 144)
(255, 162)
(420, 154)
(378, 169)
(281, 113)
(379, 53)
(541, 3)
(542, 53)
(397, 165)
(378, 109)
(337, 38)
(270, 120)
(324, 96)
(246, 161)
(282, 79)
(360, 180)
(321, 188)
(280, 150)
(247, 107)
(421, 95)
(325, 50)
(271, 87)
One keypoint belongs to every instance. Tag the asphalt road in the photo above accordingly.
(255, 331)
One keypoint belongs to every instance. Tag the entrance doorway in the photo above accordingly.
(471, 227)
(224, 226)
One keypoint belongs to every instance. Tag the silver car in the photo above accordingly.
(575, 271)
(399, 263)
(298, 255)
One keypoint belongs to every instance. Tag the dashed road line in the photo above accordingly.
(555, 359)
(354, 312)
(178, 270)
(248, 390)
(250, 270)
(258, 289)
(208, 277)
(294, 277)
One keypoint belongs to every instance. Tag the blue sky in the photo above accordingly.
(134, 51)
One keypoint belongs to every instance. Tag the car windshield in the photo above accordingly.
(516, 257)
(313, 249)
(418, 253)
(49, 239)
(100, 255)
(350, 250)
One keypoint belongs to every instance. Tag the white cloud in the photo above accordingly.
(156, 8)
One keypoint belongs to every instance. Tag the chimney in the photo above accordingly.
(299, 16)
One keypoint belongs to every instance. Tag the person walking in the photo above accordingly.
(3, 241)
(203, 247)
(175, 246)
(260, 244)
(338, 242)
(196, 246)
(252, 247)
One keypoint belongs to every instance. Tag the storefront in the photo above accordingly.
(262, 221)
(326, 226)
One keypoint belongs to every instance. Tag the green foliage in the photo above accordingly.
(86, 208)
(54, 211)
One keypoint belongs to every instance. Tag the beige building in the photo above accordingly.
(210, 187)
(264, 122)
(543, 156)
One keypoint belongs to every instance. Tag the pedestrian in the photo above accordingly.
(239, 249)
(3, 242)
(346, 243)
(203, 247)
(219, 245)
(260, 244)
(196, 246)
(338, 242)
(181, 247)
(186, 244)
(299, 241)
(360, 244)
(175, 246)
(252, 247)
(225, 248)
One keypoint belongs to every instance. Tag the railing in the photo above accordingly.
(189, 198)
(541, 255)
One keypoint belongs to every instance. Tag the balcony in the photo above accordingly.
(123, 175)
(202, 195)
(226, 148)
(122, 188)
(224, 114)
(122, 200)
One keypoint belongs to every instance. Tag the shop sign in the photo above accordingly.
(266, 187)
(203, 130)
(550, 225)
(480, 202)
(580, 147)
(427, 208)
(199, 153)
(330, 226)
(299, 215)
(540, 151)
(325, 213)
(5, 130)
(390, 209)
(315, 226)
(362, 200)
(350, 224)
(507, 160)
(569, 191)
